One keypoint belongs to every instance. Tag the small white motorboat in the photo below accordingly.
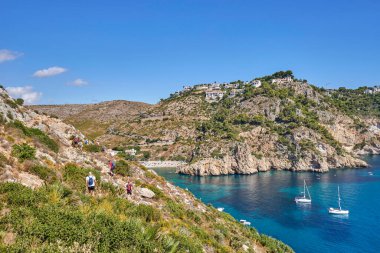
(339, 210)
(245, 222)
(304, 199)
(220, 209)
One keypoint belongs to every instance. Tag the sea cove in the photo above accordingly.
(267, 201)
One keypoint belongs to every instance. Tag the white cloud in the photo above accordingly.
(78, 82)
(52, 71)
(26, 92)
(8, 55)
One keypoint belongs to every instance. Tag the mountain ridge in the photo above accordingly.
(272, 122)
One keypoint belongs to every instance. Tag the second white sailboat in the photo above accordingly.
(304, 199)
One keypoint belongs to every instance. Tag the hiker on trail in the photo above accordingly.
(111, 166)
(75, 141)
(129, 188)
(90, 183)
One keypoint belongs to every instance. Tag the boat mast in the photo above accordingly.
(308, 193)
(340, 208)
(304, 188)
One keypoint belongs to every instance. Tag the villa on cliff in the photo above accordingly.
(232, 86)
(235, 92)
(215, 86)
(287, 79)
(214, 95)
(372, 90)
(255, 83)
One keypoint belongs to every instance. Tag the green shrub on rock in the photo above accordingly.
(23, 152)
(92, 148)
(37, 134)
(123, 168)
(44, 173)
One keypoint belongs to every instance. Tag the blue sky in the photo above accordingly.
(143, 50)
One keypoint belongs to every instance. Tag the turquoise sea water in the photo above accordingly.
(267, 201)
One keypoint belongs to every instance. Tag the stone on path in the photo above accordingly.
(146, 193)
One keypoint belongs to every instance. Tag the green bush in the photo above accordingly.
(3, 160)
(19, 101)
(274, 245)
(175, 209)
(11, 103)
(38, 134)
(44, 173)
(10, 115)
(44, 227)
(92, 148)
(146, 155)
(123, 168)
(129, 157)
(147, 213)
(23, 152)
(20, 196)
(109, 187)
(118, 148)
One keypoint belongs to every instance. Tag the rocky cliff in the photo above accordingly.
(290, 125)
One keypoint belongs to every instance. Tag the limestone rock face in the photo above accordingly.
(56, 129)
(318, 157)
(8, 174)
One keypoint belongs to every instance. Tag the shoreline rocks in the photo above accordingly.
(242, 162)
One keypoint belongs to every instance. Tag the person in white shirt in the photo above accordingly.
(90, 183)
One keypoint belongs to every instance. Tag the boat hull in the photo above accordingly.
(338, 211)
(302, 200)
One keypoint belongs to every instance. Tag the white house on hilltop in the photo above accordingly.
(287, 79)
(373, 90)
(255, 83)
(235, 92)
(186, 88)
(215, 86)
(214, 95)
(232, 86)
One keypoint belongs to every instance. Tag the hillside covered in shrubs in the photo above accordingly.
(45, 207)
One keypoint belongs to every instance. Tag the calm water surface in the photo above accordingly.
(267, 201)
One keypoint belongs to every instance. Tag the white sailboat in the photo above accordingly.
(338, 210)
(304, 199)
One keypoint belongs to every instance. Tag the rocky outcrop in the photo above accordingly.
(319, 158)
(146, 193)
(8, 174)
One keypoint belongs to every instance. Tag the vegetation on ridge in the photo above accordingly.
(61, 217)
